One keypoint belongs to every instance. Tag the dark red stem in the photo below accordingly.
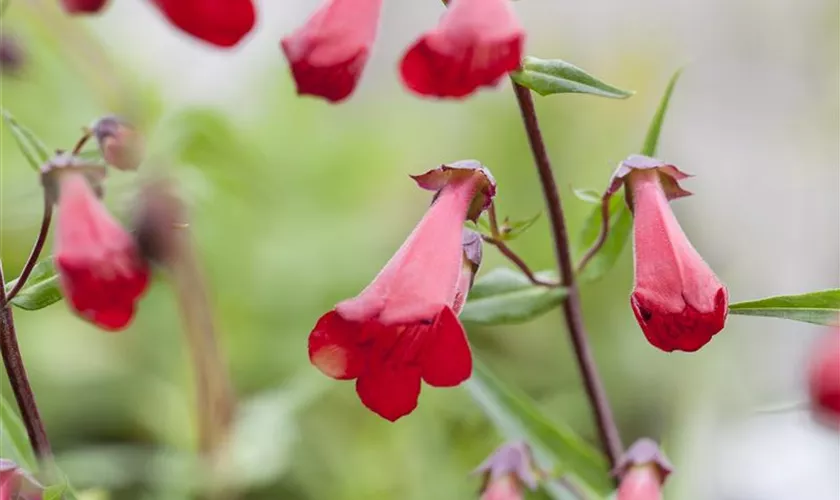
(602, 235)
(13, 362)
(607, 429)
(34, 254)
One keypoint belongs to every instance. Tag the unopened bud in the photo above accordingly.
(642, 469)
(507, 472)
(159, 220)
(121, 145)
(12, 56)
(17, 484)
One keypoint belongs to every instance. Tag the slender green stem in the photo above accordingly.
(607, 429)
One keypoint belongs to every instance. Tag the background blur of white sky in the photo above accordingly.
(758, 119)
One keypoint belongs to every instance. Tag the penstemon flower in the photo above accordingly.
(403, 327)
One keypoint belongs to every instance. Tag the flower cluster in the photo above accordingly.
(475, 44)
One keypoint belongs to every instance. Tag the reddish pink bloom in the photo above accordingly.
(476, 43)
(329, 52)
(640, 483)
(83, 6)
(100, 269)
(220, 22)
(403, 327)
(677, 299)
(642, 469)
(824, 379)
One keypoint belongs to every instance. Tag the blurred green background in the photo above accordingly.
(296, 205)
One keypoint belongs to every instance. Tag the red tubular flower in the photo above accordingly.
(99, 266)
(476, 43)
(220, 22)
(403, 327)
(824, 379)
(83, 6)
(677, 299)
(329, 52)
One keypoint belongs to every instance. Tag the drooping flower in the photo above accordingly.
(329, 52)
(403, 327)
(678, 300)
(508, 472)
(219, 22)
(642, 470)
(476, 43)
(824, 379)
(100, 269)
(83, 6)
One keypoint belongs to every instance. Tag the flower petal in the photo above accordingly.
(219, 22)
(446, 359)
(390, 391)
(329, 52)
(333, 347)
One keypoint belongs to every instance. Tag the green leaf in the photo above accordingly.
(819, 308)
(620, 226)
(553, 76)
(41, 289)
(55, 492)
(14, 441)
(33, 148)
(512, 230)
(555, 445)
(652, 138)
(504, 296)
(589, 196)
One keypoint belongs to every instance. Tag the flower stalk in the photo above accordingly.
(34, 254)
(607, 428)
(13, 363)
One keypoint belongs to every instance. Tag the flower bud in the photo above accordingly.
(642, 470)
(12, 56)
(17, 484)
(121, 145)
(158, 220)
(508, 472)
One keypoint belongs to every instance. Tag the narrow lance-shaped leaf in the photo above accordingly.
(555, 446)
(620, 223)
(41, 289)
(513, 229)
(819, 308)
(504, 296)
(652, 137)
(33, 148)
(554, 76)
(14, 442)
